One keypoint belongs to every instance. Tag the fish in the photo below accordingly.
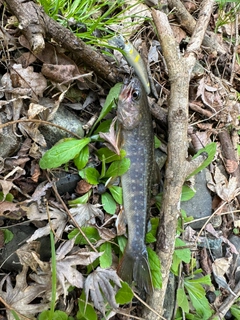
(136, 135)
(133, 58)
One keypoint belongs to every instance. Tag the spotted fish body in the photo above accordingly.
(133, 58)
(137, 140)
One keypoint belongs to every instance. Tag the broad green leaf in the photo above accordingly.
(58, 315)
(235, 311)
(196, 288)
(206, 280)
(155, 268)
(81, 200)
(211, 149)
(116, 192)
(200, 303)
(8, 235)
(91, 175)
(124, 294)
(122, 242)
(183, 254)
(109, 155)
(90, 232)
(118, 168)
(110, 102)
(106, 257)
(86, 310)
(175, 263)
(81, 159)
(109, 205)
(151, 235)
(62, 153)
(187, 193)
(103, 126)
(182, 300)
(157, 142)
(150, 238)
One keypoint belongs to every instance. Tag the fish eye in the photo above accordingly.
(136, 95)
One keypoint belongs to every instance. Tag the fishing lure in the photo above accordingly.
(133, 58)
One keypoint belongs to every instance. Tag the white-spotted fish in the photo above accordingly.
(136, 132)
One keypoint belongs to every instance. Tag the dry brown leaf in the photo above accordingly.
(111, 138)
(30, 79)
(31, 129)
(19, 298)
(10, 210)
(99, 286)
(67, 262)
(83, 187)
(85, 214)
(25, 254)
(6, 187)
(58, 220)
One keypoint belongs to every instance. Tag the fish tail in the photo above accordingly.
(136, 268)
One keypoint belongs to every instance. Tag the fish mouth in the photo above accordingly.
(126, 92)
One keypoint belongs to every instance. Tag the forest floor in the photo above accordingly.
(60, 81)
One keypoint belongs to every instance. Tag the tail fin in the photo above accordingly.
(134, 267)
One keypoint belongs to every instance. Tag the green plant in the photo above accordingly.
(88, 19)
(225, 17)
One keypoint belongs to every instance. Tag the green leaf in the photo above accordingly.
(235, 311)
(187, 193)
(122, 242)
(183, 254)
(109, 103)
(175, 263)
(157, 142)
(109, 155)
(62, 153)
(206, 280)
(118, 168)
(150, 238)
(155, 268)
(91, 175)
(8, 235)
(182, 300)
(86, 310)
(211, 149)
(81, 200)
(124, 294)
(81, 159)
(238, 149)
(103, 126)
(151, 235)
(90, 232)
(58, 315)
(9, 197)
(116, 192)
(109, 205)
(199, 301)
(106, 257)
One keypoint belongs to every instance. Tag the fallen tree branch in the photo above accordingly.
(36, 24)
(210, 41)
(178, 168)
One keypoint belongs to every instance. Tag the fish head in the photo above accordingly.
(129, 112)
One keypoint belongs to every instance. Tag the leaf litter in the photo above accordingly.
(214, 106)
